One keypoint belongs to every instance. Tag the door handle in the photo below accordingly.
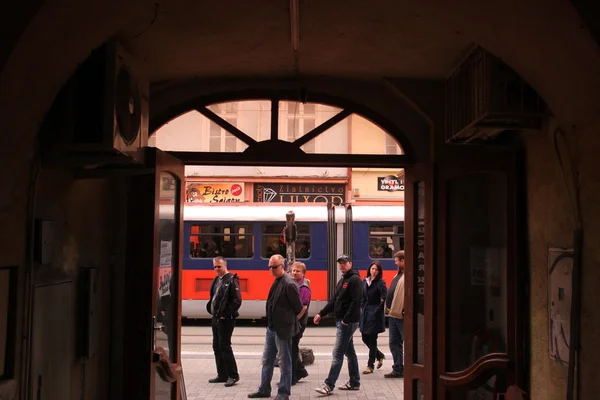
(168, 371)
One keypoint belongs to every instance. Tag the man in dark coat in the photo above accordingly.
(225, 301)
(345, 305)
(283, 307)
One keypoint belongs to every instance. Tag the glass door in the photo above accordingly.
(166, 310)
(479, 339)
(153, 280)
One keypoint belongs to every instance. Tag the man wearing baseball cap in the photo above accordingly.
(345, 305)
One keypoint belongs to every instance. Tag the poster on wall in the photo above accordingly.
(165, 268)
(214, 192)
(485, 266)
(560, 279)
(300, 193)
(168, 186)
(390, 183)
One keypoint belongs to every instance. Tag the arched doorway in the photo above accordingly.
(462, 332)
(287, 135)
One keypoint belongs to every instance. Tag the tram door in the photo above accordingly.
(152, 361)
(339, 240)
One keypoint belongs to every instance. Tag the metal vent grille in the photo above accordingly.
(485, 97)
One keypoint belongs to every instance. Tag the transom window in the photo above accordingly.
(221, 140)
(391, 147)
(234, 126)
(301, 119)
(385, 240)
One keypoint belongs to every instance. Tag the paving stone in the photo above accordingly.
(248, 342)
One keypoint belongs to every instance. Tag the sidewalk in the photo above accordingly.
(199, 367)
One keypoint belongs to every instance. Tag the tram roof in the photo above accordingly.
(277, 213)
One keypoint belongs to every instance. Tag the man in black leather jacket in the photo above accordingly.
(345, 305)
(225, 301)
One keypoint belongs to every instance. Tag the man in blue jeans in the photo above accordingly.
(345, 305)
(394, 308)
(283, 307)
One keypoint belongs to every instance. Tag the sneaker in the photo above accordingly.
(231, 381)
(394, 374)
(326, 390)
(348, 386)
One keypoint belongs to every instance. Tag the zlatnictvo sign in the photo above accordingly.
(390, 183)
(299, 193)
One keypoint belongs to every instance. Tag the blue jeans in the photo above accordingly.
(396, 332)
(273, 345)
(344, 345)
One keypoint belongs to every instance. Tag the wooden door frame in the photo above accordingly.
(412, 371)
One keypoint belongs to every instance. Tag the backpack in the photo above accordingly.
(307, 356)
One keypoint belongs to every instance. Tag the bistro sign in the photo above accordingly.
(299, 193)
(209, 192)
(390, 183)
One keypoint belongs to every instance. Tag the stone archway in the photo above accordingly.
(545, 43)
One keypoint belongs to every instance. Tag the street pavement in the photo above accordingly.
(248, 341)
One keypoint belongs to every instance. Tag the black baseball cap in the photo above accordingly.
(344, 258)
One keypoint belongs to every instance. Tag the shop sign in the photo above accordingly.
(217, 192)
(299, 193)
(390, 183)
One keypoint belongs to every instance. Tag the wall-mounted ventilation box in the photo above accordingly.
(100, 117)
(484, 97)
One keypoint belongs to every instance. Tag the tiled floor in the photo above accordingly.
(198, 364)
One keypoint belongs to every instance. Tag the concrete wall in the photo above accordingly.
(550, 225)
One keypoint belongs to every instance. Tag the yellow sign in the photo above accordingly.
(218, 192)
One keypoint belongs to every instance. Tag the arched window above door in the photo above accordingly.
(246, 125)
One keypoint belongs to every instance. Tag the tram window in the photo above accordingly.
(273, 243)
(385, 240)
(226, 240)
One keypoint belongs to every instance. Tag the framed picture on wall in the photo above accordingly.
(8, 295)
